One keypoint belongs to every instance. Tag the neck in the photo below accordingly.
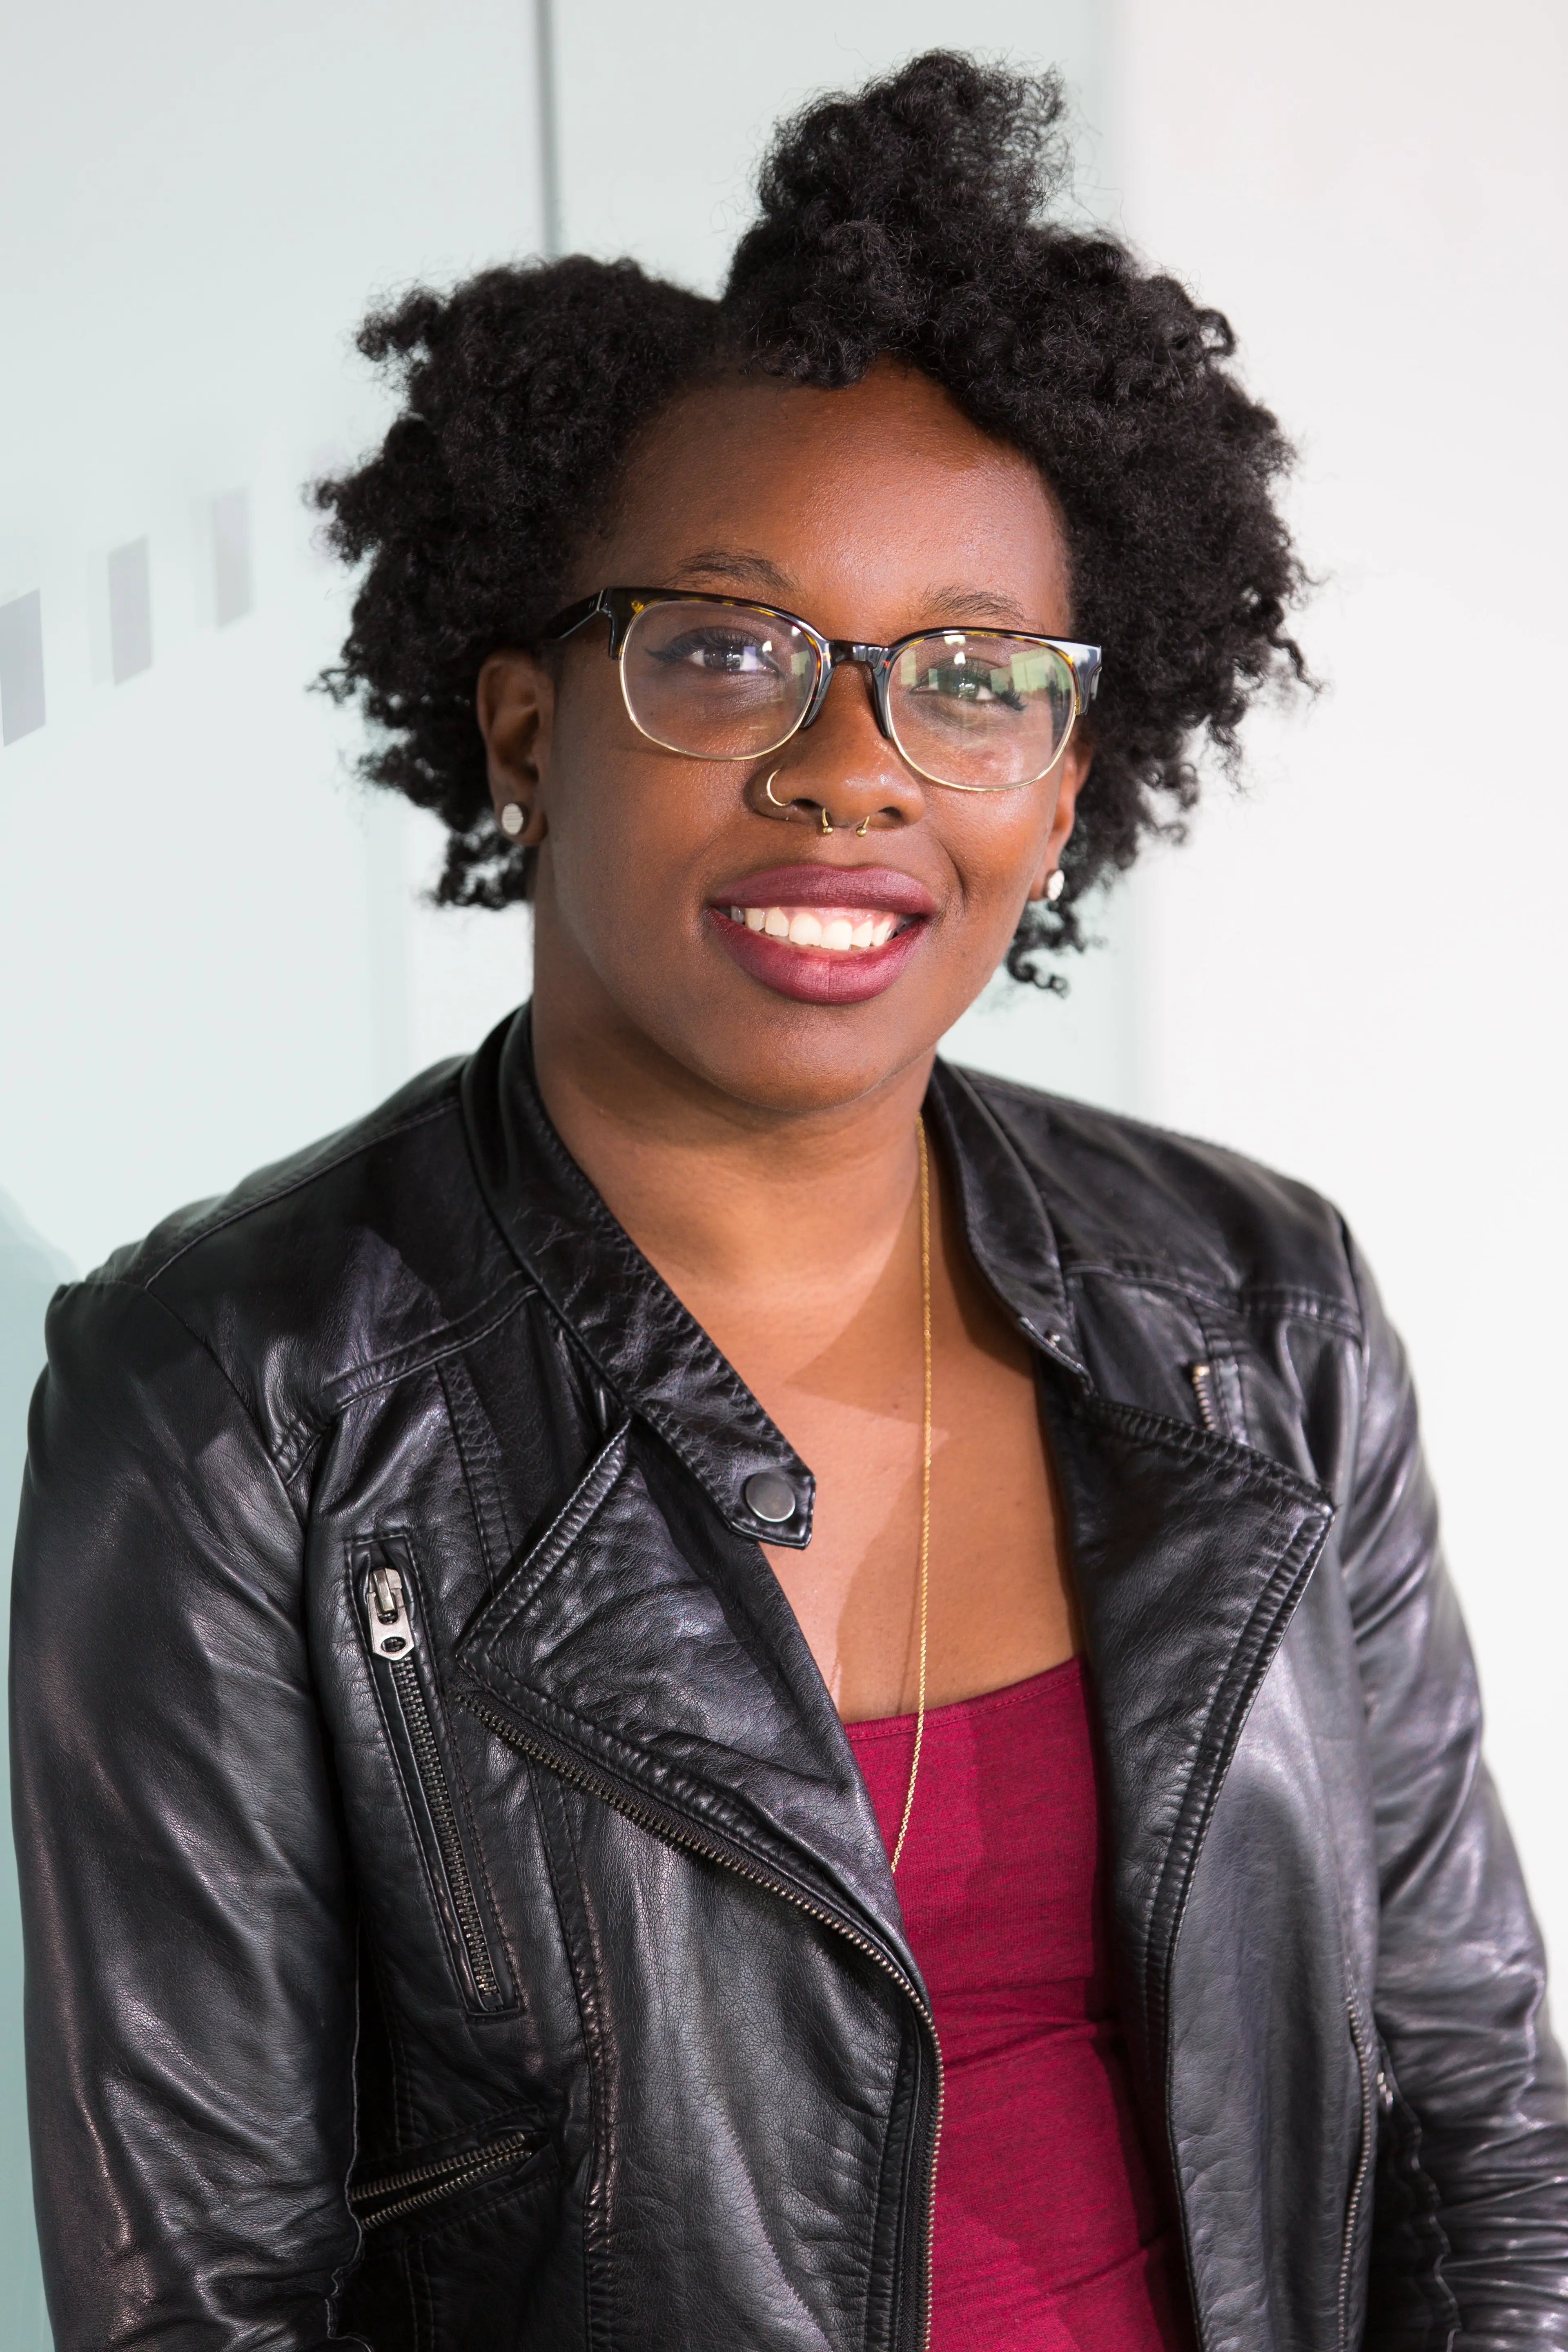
(746, 1210)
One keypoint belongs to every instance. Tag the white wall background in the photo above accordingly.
(1357, 972)
(210, 947)
(204, 950)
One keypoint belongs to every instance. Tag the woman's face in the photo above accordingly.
(869, 512)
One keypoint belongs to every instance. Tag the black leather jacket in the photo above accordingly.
(455, 1919)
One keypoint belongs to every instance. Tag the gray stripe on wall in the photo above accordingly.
(549, 127)
(130, 611)
(233, 587)
(21, 666)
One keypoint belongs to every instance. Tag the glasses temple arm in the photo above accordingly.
(575, 616)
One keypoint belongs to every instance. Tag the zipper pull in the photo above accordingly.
(391, 1634)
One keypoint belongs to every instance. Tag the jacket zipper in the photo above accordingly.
(1364, 2166)
(674, 1834)
(425, 2184)
(1202, 1378)
(392, 1640)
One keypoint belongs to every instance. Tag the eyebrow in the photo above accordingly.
(950, 605)
(961, 602)
(732, 563)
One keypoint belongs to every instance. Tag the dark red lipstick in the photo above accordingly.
(812, 974)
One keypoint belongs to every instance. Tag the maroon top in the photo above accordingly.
(1050, 2233)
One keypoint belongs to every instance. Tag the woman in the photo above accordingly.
(508, 1846)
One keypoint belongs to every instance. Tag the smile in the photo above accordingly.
(842, 930)
(823, 933)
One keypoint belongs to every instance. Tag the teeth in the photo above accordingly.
(841, 932)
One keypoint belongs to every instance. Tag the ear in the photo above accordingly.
(1074, 766)
(515, 705)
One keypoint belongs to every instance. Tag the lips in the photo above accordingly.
(822, 934)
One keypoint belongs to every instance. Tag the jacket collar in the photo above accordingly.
(649, 1352)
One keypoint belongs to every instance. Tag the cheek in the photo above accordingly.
(624, 826)
(998, 844)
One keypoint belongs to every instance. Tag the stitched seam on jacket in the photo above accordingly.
(1242, 1299)
(423, 1355)
(470, 1435)
(448, 1339)
(1187, 1438)
(598, 1480)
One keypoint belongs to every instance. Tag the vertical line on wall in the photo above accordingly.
(548, 126)
(21, 666)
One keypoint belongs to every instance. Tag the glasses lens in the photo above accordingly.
(988, 712)
(716, 682)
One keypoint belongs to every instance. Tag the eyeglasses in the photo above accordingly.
(982, 710)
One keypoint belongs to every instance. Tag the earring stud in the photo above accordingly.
(1055, 883)
(512, 819)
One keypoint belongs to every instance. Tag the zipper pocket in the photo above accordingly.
(1376, 2096)
(394, 2194)
(394, 1648)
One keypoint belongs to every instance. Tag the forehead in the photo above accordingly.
(885, 473)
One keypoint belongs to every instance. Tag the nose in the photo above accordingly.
(841, 772)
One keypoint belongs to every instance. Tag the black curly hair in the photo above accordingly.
(909, 221)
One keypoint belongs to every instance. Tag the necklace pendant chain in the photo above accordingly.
(925, 1484)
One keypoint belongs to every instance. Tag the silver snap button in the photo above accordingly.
(769, 1498)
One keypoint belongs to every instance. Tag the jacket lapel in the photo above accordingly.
(1189, 1557)
(1189, 1554)
(650, 1652)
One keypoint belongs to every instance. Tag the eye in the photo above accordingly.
(965, 679)
(724, 653)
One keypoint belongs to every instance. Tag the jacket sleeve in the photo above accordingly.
(189, 1937)
(1476, 2136)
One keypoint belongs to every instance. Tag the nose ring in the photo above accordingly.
(783, 806)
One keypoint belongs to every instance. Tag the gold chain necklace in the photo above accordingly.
(925, 1483)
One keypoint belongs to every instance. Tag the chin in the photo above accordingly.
(799, 1058)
